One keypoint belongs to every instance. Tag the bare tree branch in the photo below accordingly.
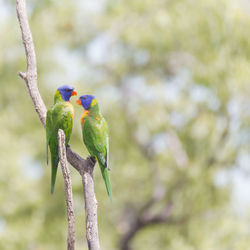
(90, 205)
(84, 167)
(30, 76)
(68, 190)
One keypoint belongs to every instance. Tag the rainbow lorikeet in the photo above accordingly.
(95, 135)
(60, 116)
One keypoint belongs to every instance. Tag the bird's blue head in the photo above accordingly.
(87, 101)
(66, 91)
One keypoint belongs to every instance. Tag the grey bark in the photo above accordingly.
(30, 77)
(86, 168)
(68, 190)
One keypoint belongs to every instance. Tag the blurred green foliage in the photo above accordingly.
(172, 79)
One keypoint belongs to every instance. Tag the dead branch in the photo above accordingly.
(84, 167)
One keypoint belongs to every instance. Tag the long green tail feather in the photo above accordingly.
(54, 166)
(107, 183)
(105, 176)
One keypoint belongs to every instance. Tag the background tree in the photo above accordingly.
(173, 81)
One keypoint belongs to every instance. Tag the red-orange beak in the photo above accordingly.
(74, 93)
(79, 102)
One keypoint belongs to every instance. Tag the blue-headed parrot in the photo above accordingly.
(95, 135)
(60, 116)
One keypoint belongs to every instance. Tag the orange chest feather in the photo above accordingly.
(71, 108)
(85, 113)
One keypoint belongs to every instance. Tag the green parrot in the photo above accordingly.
(95, 135)
(60, 116)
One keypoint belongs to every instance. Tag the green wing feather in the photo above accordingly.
(95, 137)
(58, 117)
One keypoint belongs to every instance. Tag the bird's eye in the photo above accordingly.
(84, 98)
(67, 90)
